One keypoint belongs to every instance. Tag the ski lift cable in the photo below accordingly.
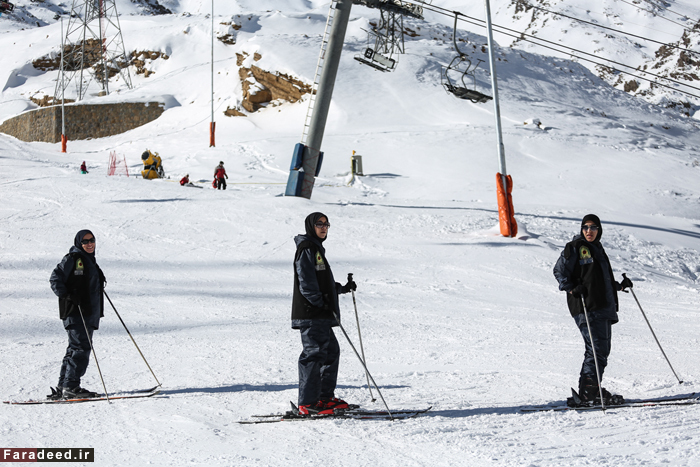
(659, 15)
(443, 11)
(516, 34)
(519, 35)
(522, 36)
(627, 21)
(613, 29)
(605, 59)
(677, 13)
(668, 86)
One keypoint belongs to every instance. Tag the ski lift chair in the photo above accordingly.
(6, 7)
(372, 55)
(376, 60)
(453, 80)
(454, 75)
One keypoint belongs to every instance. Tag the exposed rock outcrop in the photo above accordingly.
(260, 87)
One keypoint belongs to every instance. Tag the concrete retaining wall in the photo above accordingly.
(82, 121)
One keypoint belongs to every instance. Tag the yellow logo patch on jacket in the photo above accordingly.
(584, 255)
(320, 265)
(79, 267)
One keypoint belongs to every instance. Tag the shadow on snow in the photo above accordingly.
(686, 233)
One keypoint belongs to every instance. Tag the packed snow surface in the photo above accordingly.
(452, 314)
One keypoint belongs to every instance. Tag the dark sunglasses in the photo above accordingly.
(86, 241)
(592, 228)
(321, 225)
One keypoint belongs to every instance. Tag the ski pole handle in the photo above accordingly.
(624, 274)
(349, 276)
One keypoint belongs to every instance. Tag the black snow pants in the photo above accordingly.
(601, 329)
(77, 357)
(318, 362)
(221, 185)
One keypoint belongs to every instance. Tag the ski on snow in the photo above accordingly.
(347, 414)
(689, 399)
(137, 394)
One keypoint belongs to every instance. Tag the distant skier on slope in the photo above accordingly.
(79, 283)
(583, 271)
(219, 174)
(185, 180)
(83, 168)
(315, 299)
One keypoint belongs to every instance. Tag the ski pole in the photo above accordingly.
(595, 358)
(132, 338)
(94, 355)
(653, 333)
(359, 335)
(363, 364)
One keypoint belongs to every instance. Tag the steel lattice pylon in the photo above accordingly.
(93, 48)
(385, 40)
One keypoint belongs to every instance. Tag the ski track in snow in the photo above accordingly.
(453, 315)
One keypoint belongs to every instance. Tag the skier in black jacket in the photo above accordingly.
(79, 284)
(584, 273)
(314, 311)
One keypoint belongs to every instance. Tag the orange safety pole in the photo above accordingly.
(506, 213)
(64, 143)
(212, 125)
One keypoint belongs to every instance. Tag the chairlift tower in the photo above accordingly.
(93, 48)
(307, 155)
(385, 41)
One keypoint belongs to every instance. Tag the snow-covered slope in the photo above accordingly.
(633, 45)
(453, 315)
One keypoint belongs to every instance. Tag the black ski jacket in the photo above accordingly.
(316, 292)
(587, 263)
(78, 277)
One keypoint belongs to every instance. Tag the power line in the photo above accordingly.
(522, 36)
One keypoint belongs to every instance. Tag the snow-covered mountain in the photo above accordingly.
(624, 38)
(453, 315)
(649, 48)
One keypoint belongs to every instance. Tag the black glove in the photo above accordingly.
(74, 297)
(351, 285)
(579, 291)
(326, 303)
(626, 282)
